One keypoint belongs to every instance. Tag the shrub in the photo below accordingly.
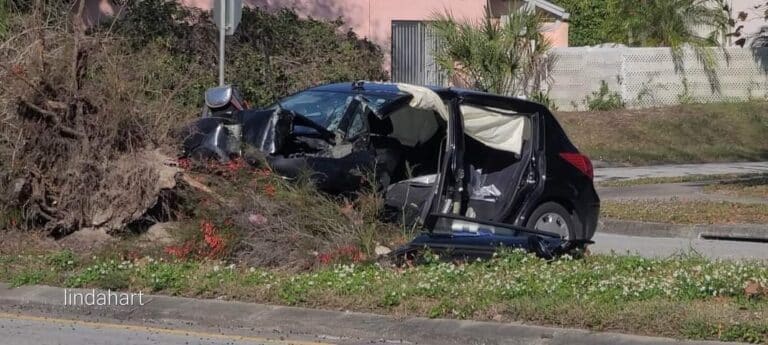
(270, 55)
(593, 22)
(543, 98)
(604, 99)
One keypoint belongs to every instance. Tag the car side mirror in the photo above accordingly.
(218, 97)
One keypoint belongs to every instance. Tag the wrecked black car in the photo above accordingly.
(475, 170)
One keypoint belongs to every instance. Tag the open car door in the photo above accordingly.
(482, 182)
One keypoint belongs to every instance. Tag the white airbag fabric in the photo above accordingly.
(424, 98)
(412, 126)
(498, 128)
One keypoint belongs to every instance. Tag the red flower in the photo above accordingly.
(270, 190)
(263, 172)
(214, 241)
(18, 69)
(344, 254)
(184, 163)
(179, 251)
(325, 258)
(235, 165)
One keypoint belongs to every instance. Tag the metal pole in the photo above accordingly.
(222, 37)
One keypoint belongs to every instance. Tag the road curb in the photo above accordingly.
(290, 320)
(753, 232)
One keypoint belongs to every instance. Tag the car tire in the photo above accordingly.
(552, 217)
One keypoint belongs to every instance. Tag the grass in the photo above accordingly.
(684, 297)
(686, 212)
(682, 134)
(753, 187)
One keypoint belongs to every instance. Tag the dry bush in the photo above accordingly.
(271, 222)
(81, 120)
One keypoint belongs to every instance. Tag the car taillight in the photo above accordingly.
(579, 161)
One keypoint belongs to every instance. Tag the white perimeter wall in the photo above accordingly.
(646, 77)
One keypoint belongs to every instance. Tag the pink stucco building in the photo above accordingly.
(373, 18)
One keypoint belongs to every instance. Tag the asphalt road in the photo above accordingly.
(661, 247)
(35, 330)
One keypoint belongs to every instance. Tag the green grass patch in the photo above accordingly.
(690, 133)
(752, 187)
(684, 296)
(686, 212)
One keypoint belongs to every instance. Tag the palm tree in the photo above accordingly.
(677, 24)
(504, 57)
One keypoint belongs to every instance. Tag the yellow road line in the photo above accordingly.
(178, 332)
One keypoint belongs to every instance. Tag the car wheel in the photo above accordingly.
(552, 217)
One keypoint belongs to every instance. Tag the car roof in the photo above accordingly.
(446, 93)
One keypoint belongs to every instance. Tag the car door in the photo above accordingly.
(478, 181)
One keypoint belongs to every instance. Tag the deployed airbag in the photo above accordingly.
(497, 128)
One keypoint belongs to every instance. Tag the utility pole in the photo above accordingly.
(226, 15)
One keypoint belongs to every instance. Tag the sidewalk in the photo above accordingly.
(624, 173)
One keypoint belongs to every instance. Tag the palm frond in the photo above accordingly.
(504, 58)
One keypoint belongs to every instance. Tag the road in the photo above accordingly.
(667, 246)
(661, 247)
(21, 329)
(623, 173)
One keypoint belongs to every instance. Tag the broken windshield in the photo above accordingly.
(327, 108)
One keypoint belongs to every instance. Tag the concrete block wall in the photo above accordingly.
(648, 77)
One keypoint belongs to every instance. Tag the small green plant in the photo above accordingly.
(604, 99)
(167, 275)
(685, 97)
(62, 260)
(27, 277)
(543, 98)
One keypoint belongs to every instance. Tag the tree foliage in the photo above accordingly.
(593, 22)
(647, 23)
(677, 24)
(502, 57)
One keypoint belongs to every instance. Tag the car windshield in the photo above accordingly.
(327, 108)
